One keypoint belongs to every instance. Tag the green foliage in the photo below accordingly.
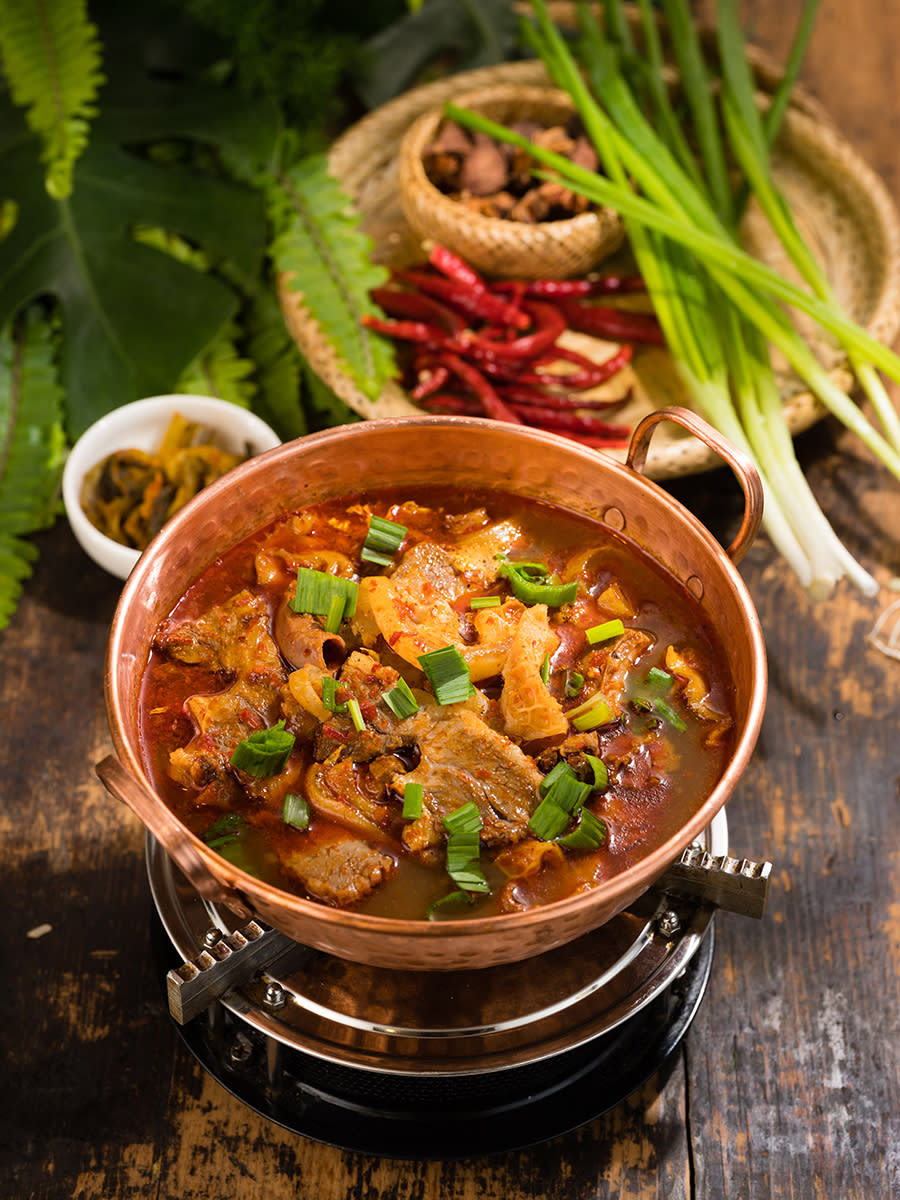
(31, 448)
(329, 258)
(456, 35)
(51, 55)
(132, 316)
(221, 371)
(305, 55)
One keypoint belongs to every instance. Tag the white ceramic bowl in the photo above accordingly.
(141, 425)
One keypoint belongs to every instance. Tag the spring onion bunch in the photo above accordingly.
(722, 311)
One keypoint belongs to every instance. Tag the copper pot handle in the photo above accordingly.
(170, 833)
(740, 463)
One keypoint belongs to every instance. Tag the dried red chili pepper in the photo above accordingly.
(483, 305)
(407, 331)
(555, 419)
(452, 404)
(547, 325)
(590, 375)
(606, 285)
(524, 393)
(431, 379)
(414, 306)
(491, 402)
(456, 268)
(604, 321)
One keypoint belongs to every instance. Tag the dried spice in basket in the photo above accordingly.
(130, 494)
(495, 179)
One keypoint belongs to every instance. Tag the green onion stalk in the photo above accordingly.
(720, 309)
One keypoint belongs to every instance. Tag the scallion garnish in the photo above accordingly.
(532, 584)
(413, 796)
(383, 539)
(295, 811)
(264, 753)
(356, 716)
(601, 774)
(574, 683)
(588, 834)
(602, 633)
(224, 830)
(400, 700)
(485, 602)
(545, 671)
(451, 900)
(448, 674)
(668, 713)
(658, 680)
(329, 695)
(564, 794)
(324, 595)
(591, 713)
(463, 826)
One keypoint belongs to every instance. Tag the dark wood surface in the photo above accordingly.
(788, 1083)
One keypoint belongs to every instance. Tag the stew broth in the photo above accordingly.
(596, 713)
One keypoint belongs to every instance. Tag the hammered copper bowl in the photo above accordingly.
(407, 453)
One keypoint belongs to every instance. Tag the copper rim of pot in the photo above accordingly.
(406, 452)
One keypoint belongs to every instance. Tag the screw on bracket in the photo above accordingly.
(274, 996)
(668, 924)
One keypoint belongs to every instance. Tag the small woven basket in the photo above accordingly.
(498, 246)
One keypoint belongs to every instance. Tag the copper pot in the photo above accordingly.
(410, 452)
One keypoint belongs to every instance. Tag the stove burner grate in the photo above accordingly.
(434, 1116)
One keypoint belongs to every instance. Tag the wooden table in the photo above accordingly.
(788, 1083)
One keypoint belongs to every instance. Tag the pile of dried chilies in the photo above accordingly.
(491, 348)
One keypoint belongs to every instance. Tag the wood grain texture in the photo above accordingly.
(788, 1084)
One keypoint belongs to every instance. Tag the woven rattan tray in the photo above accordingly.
(839, 204)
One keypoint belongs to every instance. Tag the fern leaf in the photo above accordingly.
(328, 260)
(278, 366)
(32, 448)
(51, 57)
(221, 371)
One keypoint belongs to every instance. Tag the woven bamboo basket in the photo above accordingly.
(498, 246)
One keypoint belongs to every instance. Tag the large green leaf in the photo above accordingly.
(132, 316)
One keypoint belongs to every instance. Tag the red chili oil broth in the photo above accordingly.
(644, 804)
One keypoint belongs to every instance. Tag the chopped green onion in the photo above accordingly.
(335, 614)
(601, 774)
(669, 714)
(565, 795)
(463, 826)
(329, 695)
(324, 595)
(545, 670)
(383, 540)
(588, 834)
(485, 602)
(224, 830)
(602, 633)
(594, 711)
(448, 674)
(413, 795)
(525, 583)
(452, 899)
(265, 752)
(574, 683)
(556, 772)
(295, 811)
(400, 700)
(658, 679)
(599, 714)
(356, 714)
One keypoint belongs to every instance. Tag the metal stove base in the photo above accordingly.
(406, 1115)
